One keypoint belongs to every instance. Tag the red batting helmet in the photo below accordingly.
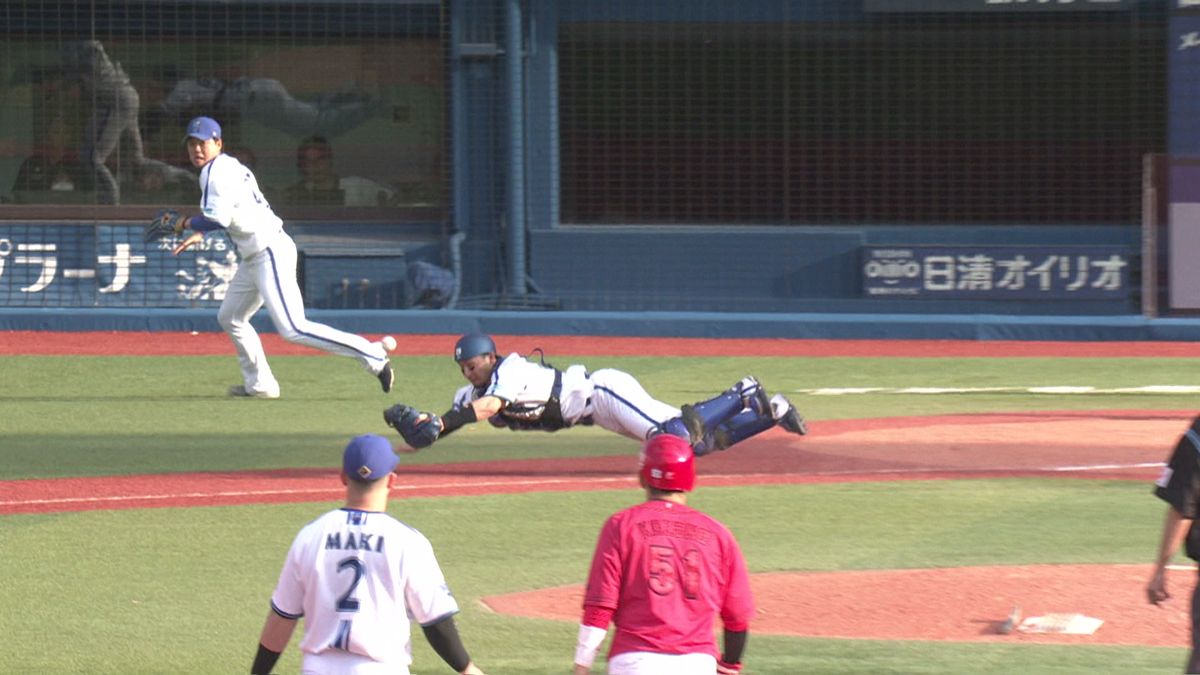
(668, 463)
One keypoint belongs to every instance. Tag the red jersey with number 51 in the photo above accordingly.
(668, 571)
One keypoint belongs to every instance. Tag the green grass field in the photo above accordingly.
(177, 590)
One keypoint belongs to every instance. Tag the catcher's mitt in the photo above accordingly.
(166, 223)
(418, 432)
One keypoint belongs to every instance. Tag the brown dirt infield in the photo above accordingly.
(958, 604)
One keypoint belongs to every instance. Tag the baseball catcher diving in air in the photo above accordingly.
(522, 394)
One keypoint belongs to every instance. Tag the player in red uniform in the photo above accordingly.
(662, 572)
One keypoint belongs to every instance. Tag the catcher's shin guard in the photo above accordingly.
(705, 416)
(738, 428)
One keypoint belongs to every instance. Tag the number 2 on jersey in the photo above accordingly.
(666, 573)
(347, 603)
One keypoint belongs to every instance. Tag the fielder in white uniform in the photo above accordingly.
(521, 394)
(358, 576)
(230, 200)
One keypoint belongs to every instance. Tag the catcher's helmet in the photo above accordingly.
(471, 345)
(668, 463)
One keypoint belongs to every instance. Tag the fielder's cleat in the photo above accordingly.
(240, 391)
(787, 416)
(693, 421)
(387, 377)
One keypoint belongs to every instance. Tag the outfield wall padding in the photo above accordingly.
(642, 324)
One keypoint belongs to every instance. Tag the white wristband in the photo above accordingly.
(590, 639)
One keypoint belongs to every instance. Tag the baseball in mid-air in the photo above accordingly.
(389, 343)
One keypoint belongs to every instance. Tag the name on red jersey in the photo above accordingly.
(674, 529)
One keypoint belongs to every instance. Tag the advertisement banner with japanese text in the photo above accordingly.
(997, 272)
(109, 266)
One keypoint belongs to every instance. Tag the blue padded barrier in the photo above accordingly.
(642, 324)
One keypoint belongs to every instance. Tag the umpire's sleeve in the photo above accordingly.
(1179, 484)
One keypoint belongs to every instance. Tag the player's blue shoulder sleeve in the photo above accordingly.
(202, 223)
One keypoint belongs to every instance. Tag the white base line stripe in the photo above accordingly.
(1054, 390)
(1109, 467)
(309, 491)
(774, 477)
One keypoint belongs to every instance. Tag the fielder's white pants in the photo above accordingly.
(269, 278)
(344, 663)
(647, 663)
(620, 404)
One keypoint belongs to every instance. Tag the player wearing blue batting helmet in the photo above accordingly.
(471, 345)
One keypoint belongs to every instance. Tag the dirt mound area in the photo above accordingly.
(963, 604)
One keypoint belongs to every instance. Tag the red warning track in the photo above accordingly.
(175, 344)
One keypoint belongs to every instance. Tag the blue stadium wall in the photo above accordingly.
(681, 280)
(770, 283)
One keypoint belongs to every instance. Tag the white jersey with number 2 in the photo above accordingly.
(356, 577)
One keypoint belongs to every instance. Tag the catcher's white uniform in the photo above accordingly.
(609, 398)
(357, 578)
(266, 275)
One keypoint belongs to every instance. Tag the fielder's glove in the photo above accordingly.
(418, 432)
(166, 223)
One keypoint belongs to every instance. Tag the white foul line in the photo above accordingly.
(303, 491)
(334, 492)
(1053, 390)
(1109, 467)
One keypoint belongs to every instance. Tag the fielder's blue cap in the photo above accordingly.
(369, 457)
(203, 128)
